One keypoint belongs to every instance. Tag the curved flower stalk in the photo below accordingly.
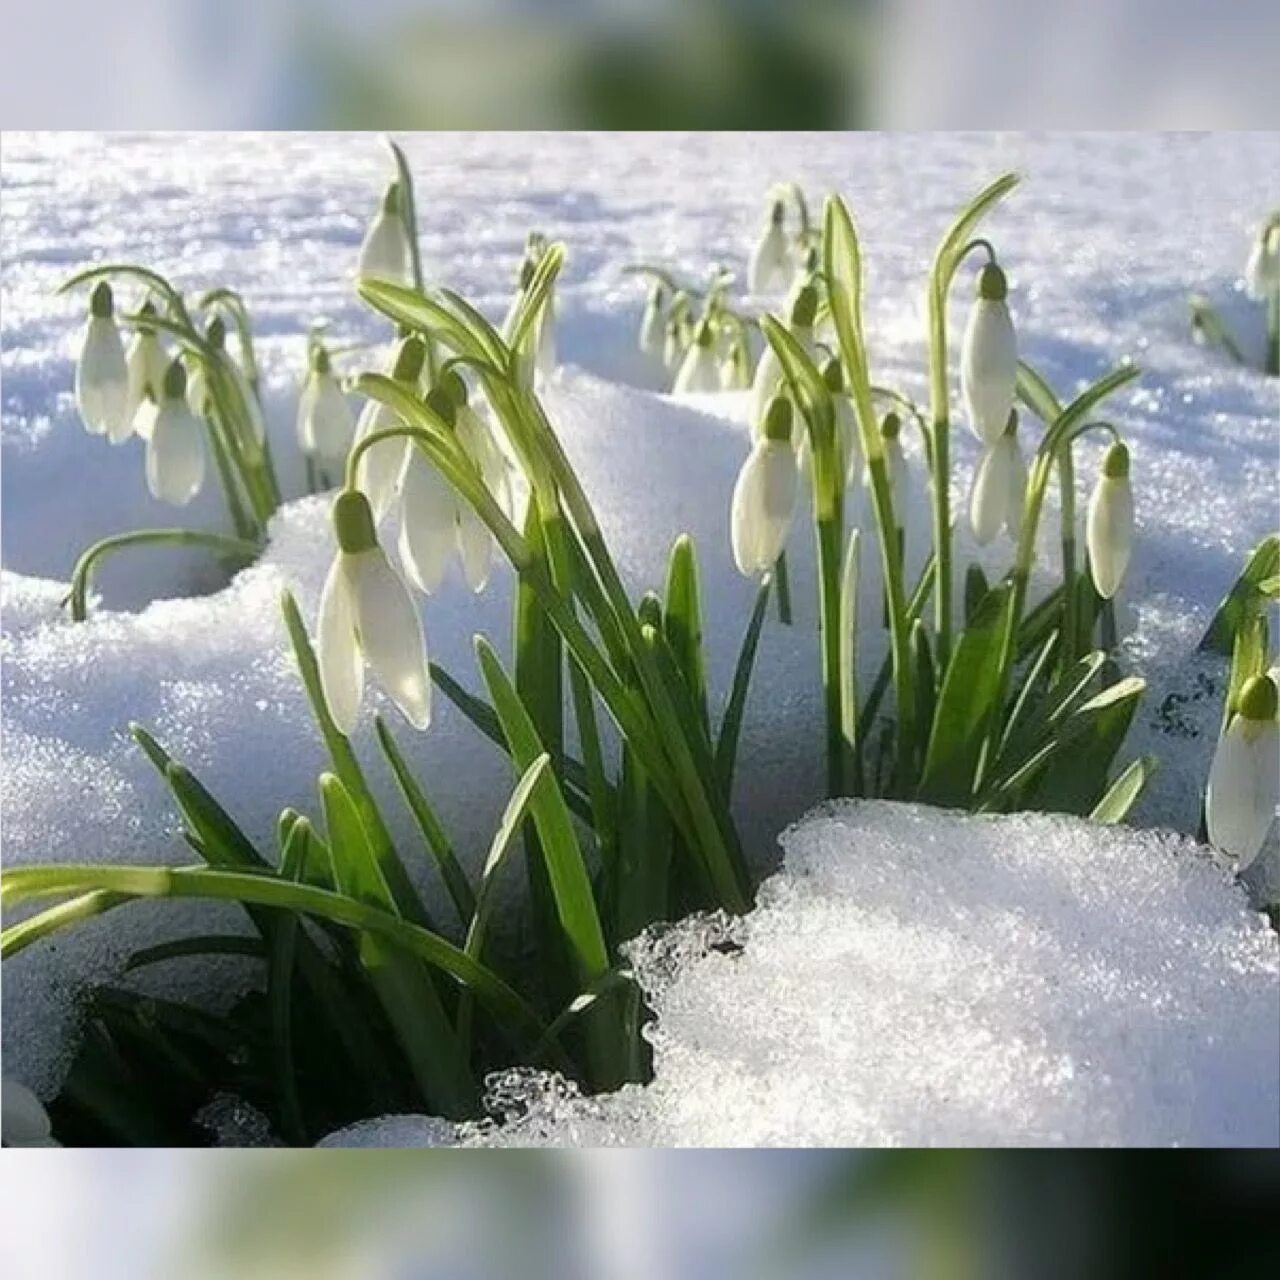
(1244, 779)
(385, 253)
(999, 487)
(699, 371)
(147, 362)
(989, 358)
(326, 425)
(175, 448)
(764, 497)
(382, 465)
(1262, 269)
(770, 267)
(735, 367)
(538, 353)
(367, 616)
(1109, 526)
(769, 373)
(102, 375)
(199, 396)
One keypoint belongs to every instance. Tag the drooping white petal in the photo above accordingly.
(197, 388)
(848, 438)
(1262, 270)
(384, 254)
(763, 506)
(1244, 788)
(146, 363)
(992, 486)
(326, 424)
(651, 330)
(1109, 533)
(1017, 490)
(988, 368)
(102, 378)
(381, 467)
(337, 653)
(390, 633)
(428, 518)
(770, 268)
(698, 371)
(175, 454)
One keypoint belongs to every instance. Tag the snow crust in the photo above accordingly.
(915, 977)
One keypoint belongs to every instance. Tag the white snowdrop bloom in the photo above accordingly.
(428, 523)
(102, 376)
(1262, 270)
(999, 487)
(146, 362)
(848, 439)
(175, 445)
(326, 424)
(895, 461)
(768, 376)
(989, 358)
(735, 368)
(769, 270)
(764, 497)
(367, 616)
(653, 323)
(1109, 526)
(385, 253)
(698, 369)
(1244, 779)
(199, 399)
(475, 541)
(23, 1120)
(380, 467)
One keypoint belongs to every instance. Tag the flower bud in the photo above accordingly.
(1262, 271)
(326, 425)
(698, 371)
(175, 445)
(385, 253)
(102, 374)
(1244, 779)
(769, 270)
(1109, 526)
(989, 358)
(764, 497)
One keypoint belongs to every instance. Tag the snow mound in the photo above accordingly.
(916, 977)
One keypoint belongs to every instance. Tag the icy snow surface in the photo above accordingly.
(1102, 243)
(917, 978)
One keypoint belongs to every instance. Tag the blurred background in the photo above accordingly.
(471, 1215)
(626, 64)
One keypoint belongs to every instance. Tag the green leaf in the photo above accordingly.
(534, 301)
(682, 622)
(1124, 791)
(976, 587)
(731, 722)
(1246, 596)
(200, 944)
(281, 961)
(966, 705)
(415, 311)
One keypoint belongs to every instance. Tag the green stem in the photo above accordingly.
(1070, 620)
(1273, 331)
(783, 580)
(83, 571)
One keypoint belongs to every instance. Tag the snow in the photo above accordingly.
(281, 216)
(913, 977)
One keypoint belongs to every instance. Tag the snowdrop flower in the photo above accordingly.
(175, 449)
(768, 377)
(848, 441)
(1262, 271)
(735, 369)
(23, 1120)
(698, 370)
(102, 376)
(385, 253)
(764, 497)
(325, 421)
(198, 397)
(146, 362)
(999, 487)
(1109, 527)
(652, 325)
(989, 358)
(677, 336)
(770, 266)
(368, 615)
(895, 462)
(1244, 779)
(380, 467)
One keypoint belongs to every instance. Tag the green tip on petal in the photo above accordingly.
(890, 426)
(442, 405)
(353, 522)
(705, 337)
(777, 419)
(175, 381)
(833, 374)
(649, 611)
(777, 213)
(527, 268)
(409, 360)
(1258, 699)
(1115, 462)
(100, 303)
(1011, 427)
(804, 310)
(391, 200)
(452, 384)
(992, 284)
(216, 332)
(320, 362)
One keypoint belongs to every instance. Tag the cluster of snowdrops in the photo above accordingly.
(996, 702)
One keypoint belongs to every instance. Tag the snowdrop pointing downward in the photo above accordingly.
(175, 447)
(1109, 529)
(698, 369)
(770, 266)
(1262, 271)
(999, 487)
(768, 376)
(385, 252)
(146, 362)
(382, 465)
(989, 358)
(325, 422)
(653, 324)
(102, 377)
(1244, 780)
(764, 497)
(367, 615)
